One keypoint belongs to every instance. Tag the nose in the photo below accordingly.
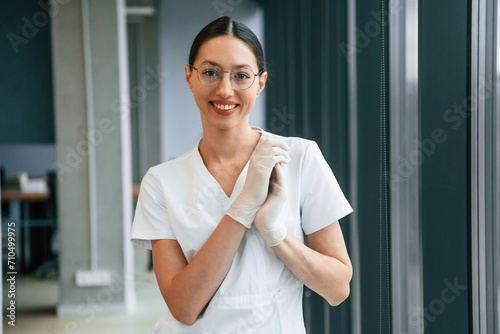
(225, 87)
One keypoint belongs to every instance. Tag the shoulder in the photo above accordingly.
(298, 146)
(305, 155)
(175, 168)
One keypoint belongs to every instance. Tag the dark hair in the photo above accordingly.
(226, 26)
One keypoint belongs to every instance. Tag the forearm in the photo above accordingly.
(326, 275)
(193, 287)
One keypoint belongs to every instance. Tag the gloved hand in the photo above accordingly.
(266, 220)
(269, 151)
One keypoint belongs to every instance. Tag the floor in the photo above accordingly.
(36, 301)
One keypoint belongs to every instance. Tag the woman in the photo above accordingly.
(226, 220)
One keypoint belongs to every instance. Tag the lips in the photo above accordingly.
(224, 108)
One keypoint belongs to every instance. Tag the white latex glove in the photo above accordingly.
(266, 220)
(270, 150)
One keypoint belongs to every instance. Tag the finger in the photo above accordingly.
(278, 142)
(280, 175)
(280, 151)
(280, 159)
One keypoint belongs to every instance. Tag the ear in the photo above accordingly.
(262, 82)
(189, 76)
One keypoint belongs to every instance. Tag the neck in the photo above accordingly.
(222, 145)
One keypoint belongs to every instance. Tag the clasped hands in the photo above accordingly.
(264, 192)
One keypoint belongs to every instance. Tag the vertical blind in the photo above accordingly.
(308, 54)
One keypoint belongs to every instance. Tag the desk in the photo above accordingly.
(12, 194)
(18, 201)
(19, 206)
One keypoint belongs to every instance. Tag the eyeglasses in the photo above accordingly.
(241, 78)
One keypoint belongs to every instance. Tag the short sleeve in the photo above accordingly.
(151, 221)
(322, 200)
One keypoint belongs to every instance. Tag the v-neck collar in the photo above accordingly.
(212, 182)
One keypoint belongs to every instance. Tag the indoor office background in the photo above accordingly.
(401, 96)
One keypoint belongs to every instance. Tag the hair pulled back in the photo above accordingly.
(226, 26)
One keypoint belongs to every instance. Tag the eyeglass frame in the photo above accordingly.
(230, 76)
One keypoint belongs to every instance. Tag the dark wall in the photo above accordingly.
(26, 101)
(373, 148)
(444, 68)
(307, 97)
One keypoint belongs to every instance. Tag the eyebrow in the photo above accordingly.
(237, 66)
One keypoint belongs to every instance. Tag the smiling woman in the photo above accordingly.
(226, 95)
(242, 221)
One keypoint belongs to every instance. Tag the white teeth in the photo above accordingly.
(224, 106)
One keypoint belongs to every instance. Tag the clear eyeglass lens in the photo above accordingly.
(241, 78)
(209, 75)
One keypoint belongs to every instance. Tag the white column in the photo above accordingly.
(93, 156)
(406, 258)
(485, 166)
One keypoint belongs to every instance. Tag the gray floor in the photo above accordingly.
(36, 301)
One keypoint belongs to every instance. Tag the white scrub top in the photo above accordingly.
(180, 200)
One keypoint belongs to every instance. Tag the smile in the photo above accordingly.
(224, 107)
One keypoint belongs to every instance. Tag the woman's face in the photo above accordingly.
(222, 106)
